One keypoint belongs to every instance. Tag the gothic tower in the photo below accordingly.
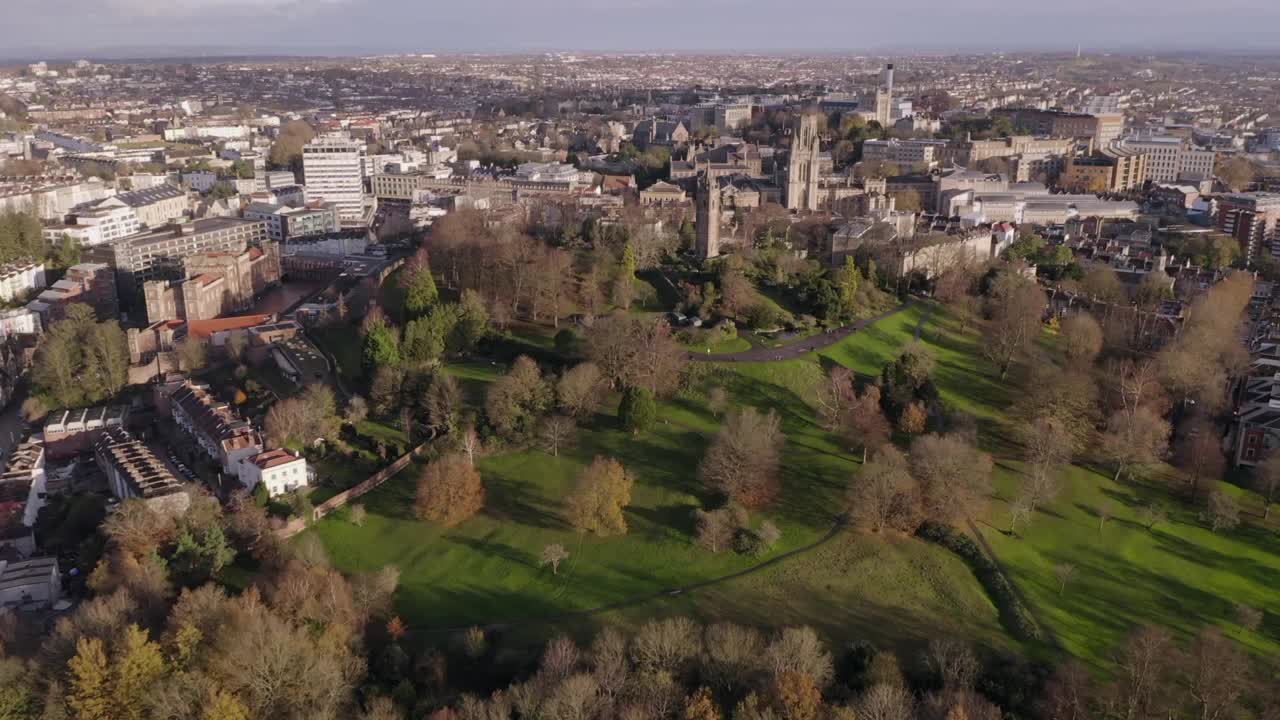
(708, 218)
(802, 165)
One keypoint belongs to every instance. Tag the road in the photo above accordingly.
(800, 347)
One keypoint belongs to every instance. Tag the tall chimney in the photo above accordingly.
(886, 78)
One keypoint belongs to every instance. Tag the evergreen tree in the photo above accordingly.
(638, 412)
(420, 293)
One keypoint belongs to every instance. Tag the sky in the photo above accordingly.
(101, 28)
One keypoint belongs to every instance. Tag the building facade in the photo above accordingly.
(803, 165)
(333, 168)
(280, 470)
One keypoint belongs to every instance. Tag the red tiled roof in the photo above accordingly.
(273, 458)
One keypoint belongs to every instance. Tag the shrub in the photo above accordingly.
(1013, 613)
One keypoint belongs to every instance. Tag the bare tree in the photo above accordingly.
(864, 422)
(1199, 454)
(556, 432)
(1134, 437)
(470, 444)
(954, 663)
(886, 702)
(954, 476)
(1105, 511)
(834, 397)
(1223, 511)
(1152, 515)
(553, 555)
(1081, 337)
(734, 655)
(1266, 482)
(580, 390)
(716, 529)
(743, 461)
(1217, 675)
(1064, 572)
(1142, 666)
(884, 494)
(1020, 511)
(1014, 311)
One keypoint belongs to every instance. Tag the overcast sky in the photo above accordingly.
(337, 27)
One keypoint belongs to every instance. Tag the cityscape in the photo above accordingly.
(735, 383)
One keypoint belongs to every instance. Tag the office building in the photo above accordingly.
(1112, 169)
(285, 223)
(333, 169)
(1102, 129)
(158, 255)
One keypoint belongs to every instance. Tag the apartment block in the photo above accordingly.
(20, 279)
(22, 494)
(105, 221)
(1251, 218)
(1112, 169)
(285, 223)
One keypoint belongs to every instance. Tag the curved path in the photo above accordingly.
(647, 597)
(801, 347)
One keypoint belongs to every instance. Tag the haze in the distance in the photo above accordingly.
(337, 27)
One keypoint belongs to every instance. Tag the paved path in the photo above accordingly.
(800, 347)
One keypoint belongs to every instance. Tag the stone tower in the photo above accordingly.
(708, 219)
(802, 165)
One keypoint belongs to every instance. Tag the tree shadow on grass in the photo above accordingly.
(512, 499)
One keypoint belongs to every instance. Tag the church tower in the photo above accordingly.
(802, 165)
(708, 218)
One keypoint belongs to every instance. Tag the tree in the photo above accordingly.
(1217, 675)
(420, 292)
(1142, 667)
(90, 694)
(601, 492)
(1081, 337)
(884, 494)
(863, 422)
(286, 151)
(1101, 283)
(1064, 572)
(81, 361)
(886, 702)
(834, 396)
(733, 656)
(1238, 173)
(796, 696)
(1223, 511)
(701, 706)
(444, 398)
(357, 410)
(580, 389)
(637, 351)
(1014, 310)
(449, 491)
(954, 663)
(742, 462)
(555, 432)
(358, 515)
(381, 346)
(1152, 515)
(638, 412)
(715, 529)
(1137, 437)
(913, 418)
(1199, 454)
(1266, 482)
(553, 555)
(516, 401)
(426, 337)
(471, 322)
(954, 476)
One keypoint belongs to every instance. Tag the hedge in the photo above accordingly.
(1013, 613)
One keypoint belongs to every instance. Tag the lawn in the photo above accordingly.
(487, 570)
(1178, 574)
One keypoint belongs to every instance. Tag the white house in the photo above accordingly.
(281, 470)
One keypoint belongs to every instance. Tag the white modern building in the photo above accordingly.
(333, 169)
(547, 172)
(903, 152)
(106, 221)
(281, 470)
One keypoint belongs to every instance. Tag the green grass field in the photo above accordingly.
(487, 570)
(898, 592)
